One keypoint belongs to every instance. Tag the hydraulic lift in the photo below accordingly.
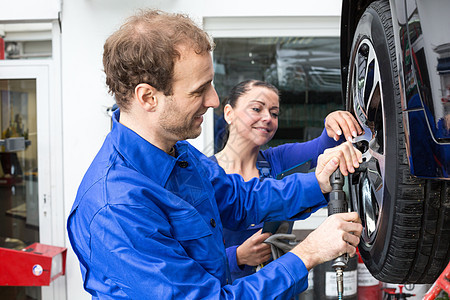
(441, 284)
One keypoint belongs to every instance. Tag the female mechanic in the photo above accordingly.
(251, 113)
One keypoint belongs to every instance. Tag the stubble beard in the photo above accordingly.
(173, 121)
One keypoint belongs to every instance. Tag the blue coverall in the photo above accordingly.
(146, 225)
(280, 159)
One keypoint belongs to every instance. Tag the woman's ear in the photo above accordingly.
(145, 95)
(228, 113)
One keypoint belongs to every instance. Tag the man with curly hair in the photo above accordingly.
(148, 217)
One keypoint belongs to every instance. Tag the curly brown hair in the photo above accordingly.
(144, 50)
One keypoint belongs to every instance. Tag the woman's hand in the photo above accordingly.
(342, 122)
(254, 251)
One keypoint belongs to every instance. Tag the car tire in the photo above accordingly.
(406, 219)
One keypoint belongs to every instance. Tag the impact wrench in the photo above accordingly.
(338, 204)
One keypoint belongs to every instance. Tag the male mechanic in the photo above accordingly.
(147, 220)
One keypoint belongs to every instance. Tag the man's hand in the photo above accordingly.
(345, 156)
(342, 122)
(337, 235)
(254, 251)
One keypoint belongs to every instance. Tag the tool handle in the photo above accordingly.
(337, 202)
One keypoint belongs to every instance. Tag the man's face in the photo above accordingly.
(193, 94)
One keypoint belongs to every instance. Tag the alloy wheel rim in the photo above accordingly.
(367, 184)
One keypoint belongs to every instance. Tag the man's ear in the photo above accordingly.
(145, 95)
(228, 113)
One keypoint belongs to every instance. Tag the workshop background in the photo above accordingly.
(53, 94)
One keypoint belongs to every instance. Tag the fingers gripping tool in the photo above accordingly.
(338, 204)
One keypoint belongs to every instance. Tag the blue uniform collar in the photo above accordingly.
(142, 155)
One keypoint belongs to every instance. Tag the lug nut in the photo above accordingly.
(364, 50)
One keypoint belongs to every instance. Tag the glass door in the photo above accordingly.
(304, 69)
(25, 215)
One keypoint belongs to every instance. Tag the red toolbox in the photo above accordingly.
(35, 265)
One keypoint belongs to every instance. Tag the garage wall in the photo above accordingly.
(17, 10)
(85, 26)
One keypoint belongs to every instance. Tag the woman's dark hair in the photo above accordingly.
(235, 93)
(243, 87)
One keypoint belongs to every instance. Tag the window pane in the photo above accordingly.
(305, 69)
(27, 40)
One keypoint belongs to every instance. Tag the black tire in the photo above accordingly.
(406, 220)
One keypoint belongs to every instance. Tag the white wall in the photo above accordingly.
(18, 10)
(85, 26)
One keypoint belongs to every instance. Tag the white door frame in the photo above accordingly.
(49, 147)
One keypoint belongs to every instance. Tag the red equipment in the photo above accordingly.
(35, 265)
(392, 295)
(368, 286)
(442, 283)
(2, 48)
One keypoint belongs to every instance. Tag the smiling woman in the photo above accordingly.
(251, 114)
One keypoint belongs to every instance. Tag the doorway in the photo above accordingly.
(27, 204)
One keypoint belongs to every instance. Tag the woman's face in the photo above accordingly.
(255, 116)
